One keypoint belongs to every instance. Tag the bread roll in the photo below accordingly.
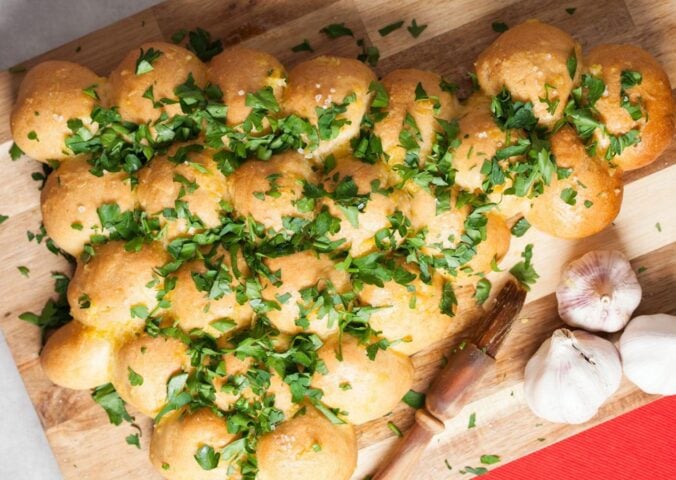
(297, 272)
(238, 71)
(103, 290)
(169, 70)
(366, 389)
(598, 192)
(480, 138)
(268, 190)
(413, 318)
(150, 362)
(493, 248)
(179, 436)
(401, 87)
(359, 237)
(308, 447)
(653, 93)
(193, 308)
(70, 198)
(197, 181)
(323, 82)
(524, 59)
(235, 385)
(77, 357)
(51, 94)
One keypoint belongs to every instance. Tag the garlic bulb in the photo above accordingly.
(598, 291)
(570, 376)
(648, 350)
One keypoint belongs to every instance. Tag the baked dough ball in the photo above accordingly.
(653, 93)
(169, 70)
(142, 367)
(366, 389)
(480, 138)
(235, 384)
(319, 84)
(359, 237)
(597, 190)
(526, 58)
(77, 357)
(103, 290)
(70, 198)
(412, 316)
(444, 230)
(197, 181)
(299, 271)
(193, 308)
(177, 438)
(307, 447)
(401, 87)
(51, 94)
(238, 71)
(268, 190)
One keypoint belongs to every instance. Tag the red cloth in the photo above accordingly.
(635, 446)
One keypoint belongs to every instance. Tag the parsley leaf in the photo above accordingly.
(114, 406)
(135, 379)
(304, 46)
(336, 30)
(15, 152)
(483, 290)
(520, 228)
(387, 29)
(524, 271)
(207, 458)
(414, 399)
(569, 195)
(133, 440)
(415, 30)
(571, 64)
(144, 63)
(200, 43)
(489, 459)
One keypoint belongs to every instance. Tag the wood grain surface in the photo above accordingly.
(88, 447)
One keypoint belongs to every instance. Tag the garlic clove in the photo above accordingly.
(599, 291)
(570, 376)
(648, 350)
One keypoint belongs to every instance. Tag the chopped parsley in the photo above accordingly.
(25, 271)
(201, 44)
(387, 29)
(414, 399)
(415, 30)
(303, 46)
(520, 228)
(394, 429)
(524, 271)
(207, 458)
(490, 459)
(336, 30)
(483, 290)
(472, 421)
(569, 196)
(144, 63)
(15, 152)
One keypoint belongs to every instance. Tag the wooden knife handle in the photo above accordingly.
(408, 451)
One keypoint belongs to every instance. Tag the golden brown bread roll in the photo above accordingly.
(300, 271)
(366, 389)
(323, 82)
(103, 290)
(596, 189)
(51, 94)
(531, 61)
(401, 87)
(169, 70)
(197, 181)
(77, 357)
(480, 138)
(373, 216)
(192, 308)
(308, 447)
(653, 93)
(412, 318)
(235, 385)
(238, 71)
(268, 190)
(179, 436)
(70, 198)
(141, 368)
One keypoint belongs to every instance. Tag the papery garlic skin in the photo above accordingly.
(648, 350)
(571, 375)
(599, 291)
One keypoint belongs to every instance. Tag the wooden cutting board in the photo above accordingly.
(88, 447)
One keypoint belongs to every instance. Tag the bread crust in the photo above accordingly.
(656, 126)
(51, 94)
